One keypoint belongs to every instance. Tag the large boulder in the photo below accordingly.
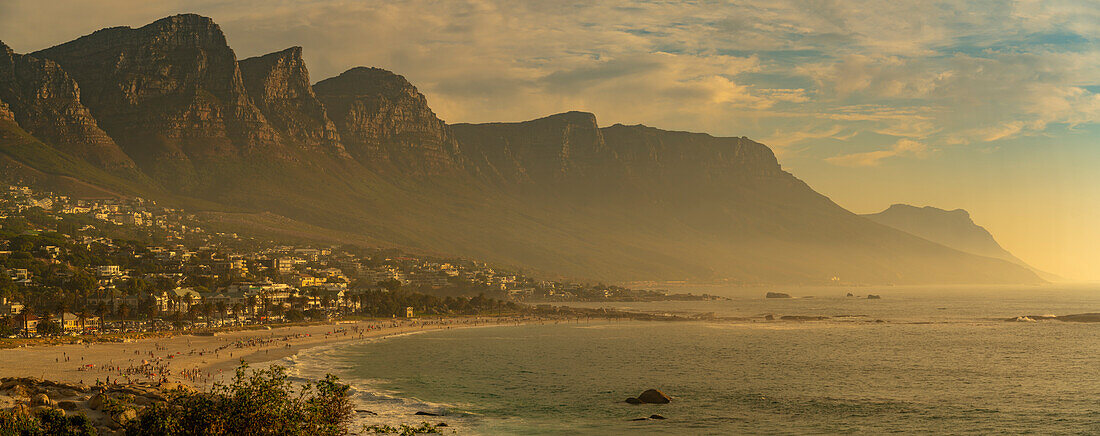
(96, 401)
(653, 396)
(40, 400)
(125, 416)
(633, 400)
(19, 391)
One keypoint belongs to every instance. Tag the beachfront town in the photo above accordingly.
(71, 266)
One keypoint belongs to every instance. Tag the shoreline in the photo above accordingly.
(199, 361)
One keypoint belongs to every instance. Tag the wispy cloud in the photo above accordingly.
(941, 73)
(902, 148)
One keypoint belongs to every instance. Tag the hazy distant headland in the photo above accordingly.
(167, 111)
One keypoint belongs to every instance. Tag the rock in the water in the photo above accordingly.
(777, 295)
(655, 416)
(769, 317)
(422, 413)
(633, 400)
(1080, 317)
(653, 396)
(803, 318)
(873, 297)
(442, 424)
(640, 419)
(365, 412)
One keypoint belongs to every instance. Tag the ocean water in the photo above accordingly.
(942, 361)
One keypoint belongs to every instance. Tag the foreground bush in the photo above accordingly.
(48, 422)
(260, 402)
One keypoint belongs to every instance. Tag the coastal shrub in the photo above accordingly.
(48, 422)
(259, 402)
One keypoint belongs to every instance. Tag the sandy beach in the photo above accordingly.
(202, 360)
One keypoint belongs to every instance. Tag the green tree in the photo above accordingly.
(260, 402)
(47, 327)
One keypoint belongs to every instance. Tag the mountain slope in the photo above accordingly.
(46, 102)
(364, 153)
(171, 95)
(953, 229)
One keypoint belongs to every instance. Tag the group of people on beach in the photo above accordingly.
(155, 364)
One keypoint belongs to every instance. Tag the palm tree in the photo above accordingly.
(83, 319)
(221, 310)
(188, 299)
(101, 310)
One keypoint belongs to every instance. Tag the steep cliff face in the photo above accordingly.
(280, 87)
(557, 194)
(6, 113)
(649, 152)
(386, 124)
(559, 147)
(171, 95)
(46, 103)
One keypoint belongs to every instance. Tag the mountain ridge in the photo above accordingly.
(363, 153)
(952, 228)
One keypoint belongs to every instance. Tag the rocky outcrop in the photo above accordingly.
(653, 396)
(777, 295)
(386, 124)
(559, 147)
(107, 408)
(5, 112)
(171, 95)
(654, 153)
(46, 102)
(1079, 317)
(280, 87)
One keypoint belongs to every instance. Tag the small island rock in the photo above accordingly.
(653, 396)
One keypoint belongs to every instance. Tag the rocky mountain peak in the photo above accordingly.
(363, 81)
(46, 102)
(960, 216)
(554, 148)
(280, 87)
(386, 124)
(171, 95)
(572, 118)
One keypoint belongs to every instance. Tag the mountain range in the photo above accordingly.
(951, 228)
(167, 111)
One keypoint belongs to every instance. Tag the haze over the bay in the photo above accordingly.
(990, 106)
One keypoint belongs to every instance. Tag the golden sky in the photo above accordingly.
(988, 106)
